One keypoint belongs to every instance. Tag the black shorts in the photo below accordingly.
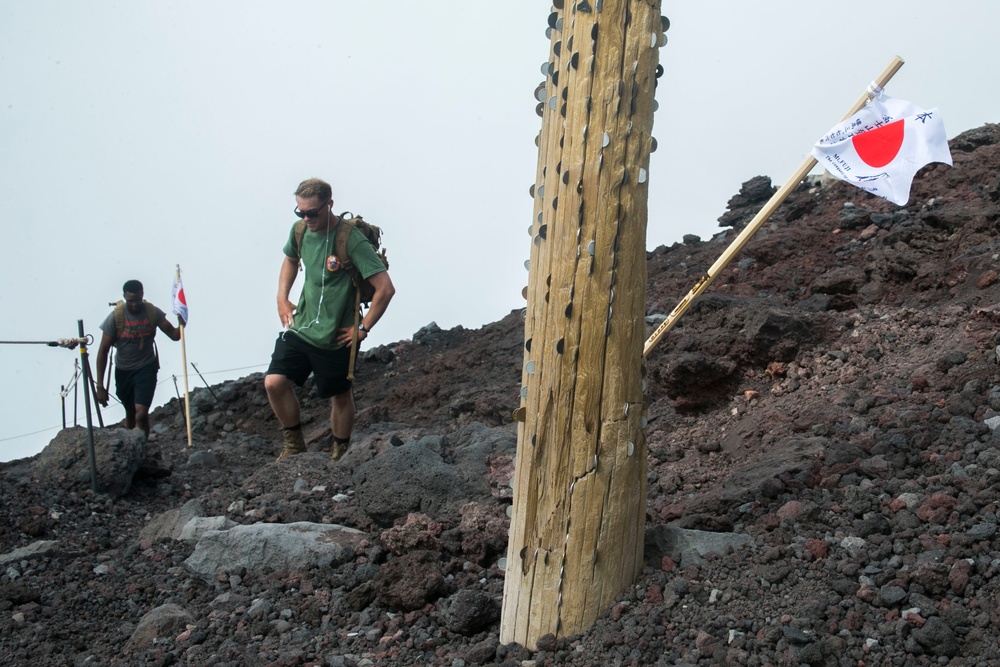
(296, 359)
(136, 386)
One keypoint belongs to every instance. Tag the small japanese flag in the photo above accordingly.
(180, 301)
(881, 148)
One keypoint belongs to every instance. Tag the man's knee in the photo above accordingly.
(275, 384)
(343, 399)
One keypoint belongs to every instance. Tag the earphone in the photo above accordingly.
(322, 282)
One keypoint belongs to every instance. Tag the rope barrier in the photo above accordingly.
(64, 392)
(230, 370)
(68, 343)
(77, 374)
(227, 370)
(25, 435)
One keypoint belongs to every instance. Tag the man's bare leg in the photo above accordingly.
(142, 418)
(281, 395)
(342, 411)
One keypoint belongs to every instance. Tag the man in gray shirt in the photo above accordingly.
(131, 327)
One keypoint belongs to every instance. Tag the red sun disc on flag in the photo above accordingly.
(879, 147)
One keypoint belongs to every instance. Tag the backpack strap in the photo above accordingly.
(344, 229)
(119, 313)
(345, 226)
(119, 317)
(300, 231)
(151, 311)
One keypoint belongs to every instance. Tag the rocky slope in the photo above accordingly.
(823, 475)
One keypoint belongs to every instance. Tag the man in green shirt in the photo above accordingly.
(319, 331)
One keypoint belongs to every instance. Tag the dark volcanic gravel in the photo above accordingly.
(833, 399)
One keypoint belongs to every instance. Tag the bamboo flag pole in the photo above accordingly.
(769, 208)
(187, 397)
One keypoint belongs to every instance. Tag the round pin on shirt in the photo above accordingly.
(332, 263)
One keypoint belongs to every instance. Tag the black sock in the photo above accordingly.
(297, 427)
(341, 441)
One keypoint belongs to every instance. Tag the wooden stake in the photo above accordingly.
(576, 536)
(769, 208)
(187, 395)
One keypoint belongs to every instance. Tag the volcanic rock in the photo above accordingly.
(823, 451)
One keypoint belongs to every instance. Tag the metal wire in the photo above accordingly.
(68, 343)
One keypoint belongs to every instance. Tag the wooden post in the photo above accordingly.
(576, 537)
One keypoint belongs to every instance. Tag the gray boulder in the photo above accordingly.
(288, 547)
(688, 547)
(169, 524)
(194, 529)
(435, 475)
(37, 549)
(162, 622)
(118, 454)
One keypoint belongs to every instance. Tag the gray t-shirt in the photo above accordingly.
(135, 342)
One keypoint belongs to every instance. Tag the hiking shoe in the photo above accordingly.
(294, 444)
(338, 449)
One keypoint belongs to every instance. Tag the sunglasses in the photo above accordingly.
(310, 214)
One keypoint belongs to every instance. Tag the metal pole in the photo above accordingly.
(206, 382)
(86, 401)
(97, 406)
(62, 401)
(76, 388)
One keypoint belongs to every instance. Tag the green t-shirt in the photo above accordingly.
(327, 300)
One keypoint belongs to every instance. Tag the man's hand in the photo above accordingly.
(286, 277)
(101, 395)
(345, 335)
(286, 313)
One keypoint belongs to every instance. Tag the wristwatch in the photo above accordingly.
(361, 327)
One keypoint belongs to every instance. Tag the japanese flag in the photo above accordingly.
(180, 301)
(881, 148)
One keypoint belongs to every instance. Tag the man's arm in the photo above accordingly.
(101, 393)
(286, 277)
(173, 333)
(384, 291)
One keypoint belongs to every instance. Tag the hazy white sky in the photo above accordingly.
(138, 135)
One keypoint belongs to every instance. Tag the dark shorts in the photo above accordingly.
(296, 359)
(136, 386)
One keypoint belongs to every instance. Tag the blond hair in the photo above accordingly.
(314, 187)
